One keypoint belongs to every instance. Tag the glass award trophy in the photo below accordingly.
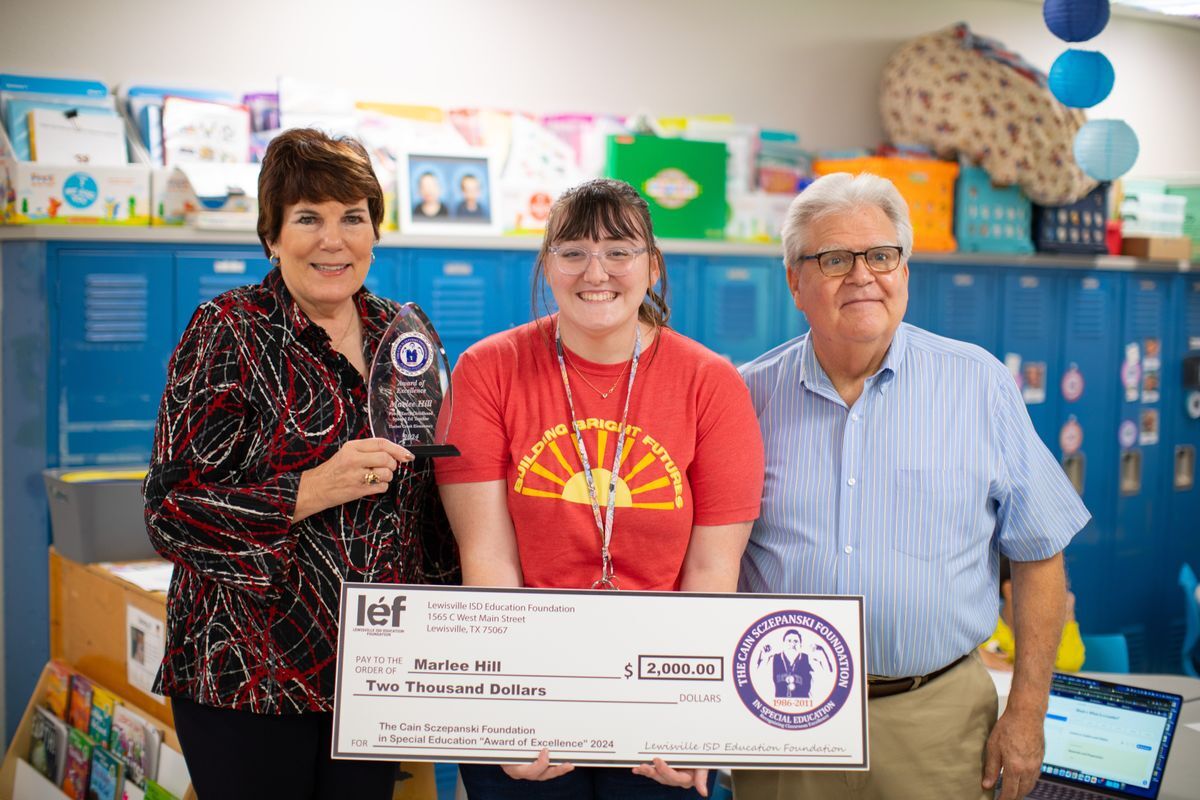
(409, 387)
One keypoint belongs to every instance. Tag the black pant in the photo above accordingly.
(238, 754)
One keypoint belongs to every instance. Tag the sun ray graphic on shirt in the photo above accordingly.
(649, 479)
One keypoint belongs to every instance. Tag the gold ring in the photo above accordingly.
(370, 478)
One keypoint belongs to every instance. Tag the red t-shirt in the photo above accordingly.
(693, 453)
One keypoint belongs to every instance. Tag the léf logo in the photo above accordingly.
(381, 613)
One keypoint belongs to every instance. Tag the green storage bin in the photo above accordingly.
(682, 180)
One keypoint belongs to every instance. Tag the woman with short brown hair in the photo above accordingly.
(267, 490)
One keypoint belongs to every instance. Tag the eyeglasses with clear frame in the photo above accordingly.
(616, 260)
(835, 263)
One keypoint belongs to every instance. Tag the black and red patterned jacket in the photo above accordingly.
(255, 395)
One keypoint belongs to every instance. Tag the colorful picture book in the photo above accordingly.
(48, 744)
(103, 703)
(108, 776)
(20, 94)
(78, 764)
(145, 105)
(58, 688)
(79, 710)
(200, 131)
(130, 743)
(68, 137)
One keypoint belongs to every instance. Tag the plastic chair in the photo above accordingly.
(1108, 652)
(1191, 629)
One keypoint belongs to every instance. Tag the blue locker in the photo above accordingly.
(964, 305)
(1090, 349)
(1029, 342)
(387, 273)
(201, 275)
(1182, 444)
(1137, 543)
(738, 309)
(792, 322)
(114, 337)
(467, 294)
(524, 306)
(920, 294)
(684, 279)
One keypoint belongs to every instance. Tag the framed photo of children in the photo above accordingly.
(447, 193)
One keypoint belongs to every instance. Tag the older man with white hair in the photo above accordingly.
(900, 466)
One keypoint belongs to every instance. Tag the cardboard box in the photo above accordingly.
(1158, 248)
(45, 194)
(183, 192)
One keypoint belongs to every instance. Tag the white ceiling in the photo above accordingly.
(1185, 8)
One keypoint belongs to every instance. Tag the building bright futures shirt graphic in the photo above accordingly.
(648, 478)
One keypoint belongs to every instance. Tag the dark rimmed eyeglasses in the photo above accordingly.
(834, 263)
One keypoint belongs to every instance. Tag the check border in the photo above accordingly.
(704, 759)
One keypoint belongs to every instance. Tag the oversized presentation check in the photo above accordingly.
(600, 678)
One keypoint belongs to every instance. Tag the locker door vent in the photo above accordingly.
(213, 285)
(1090, 316)
(1031, 316)
(1193, 314)
(738, 316)
(963, 314)
(115, 308)
(1147, 313)
(459, 306)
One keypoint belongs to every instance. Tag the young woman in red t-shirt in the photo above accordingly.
(600, 449)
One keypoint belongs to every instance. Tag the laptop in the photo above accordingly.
(1105, 740)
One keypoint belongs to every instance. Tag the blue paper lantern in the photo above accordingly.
(1075, 20)
(1105, 149)
(1081, 78)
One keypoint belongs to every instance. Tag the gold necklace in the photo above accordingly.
(337, 345)
(582, 377)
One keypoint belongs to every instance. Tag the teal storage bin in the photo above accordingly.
(990, 219)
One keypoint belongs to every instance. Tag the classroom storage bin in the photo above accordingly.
(98, 514)
(1073, 228)
(1191, 215)
(989, 218)
(927, 185)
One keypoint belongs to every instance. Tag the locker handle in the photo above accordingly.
(1185, 467)
(1131, 472)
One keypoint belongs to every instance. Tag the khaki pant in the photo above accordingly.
(926, 744)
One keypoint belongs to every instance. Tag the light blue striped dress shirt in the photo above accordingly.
(907, 497)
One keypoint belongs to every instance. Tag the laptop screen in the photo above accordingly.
(1108, 736)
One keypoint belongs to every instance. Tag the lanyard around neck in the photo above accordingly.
(608, 578)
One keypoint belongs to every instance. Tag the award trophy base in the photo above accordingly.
(432, 450)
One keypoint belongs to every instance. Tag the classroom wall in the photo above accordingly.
(810, 66)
